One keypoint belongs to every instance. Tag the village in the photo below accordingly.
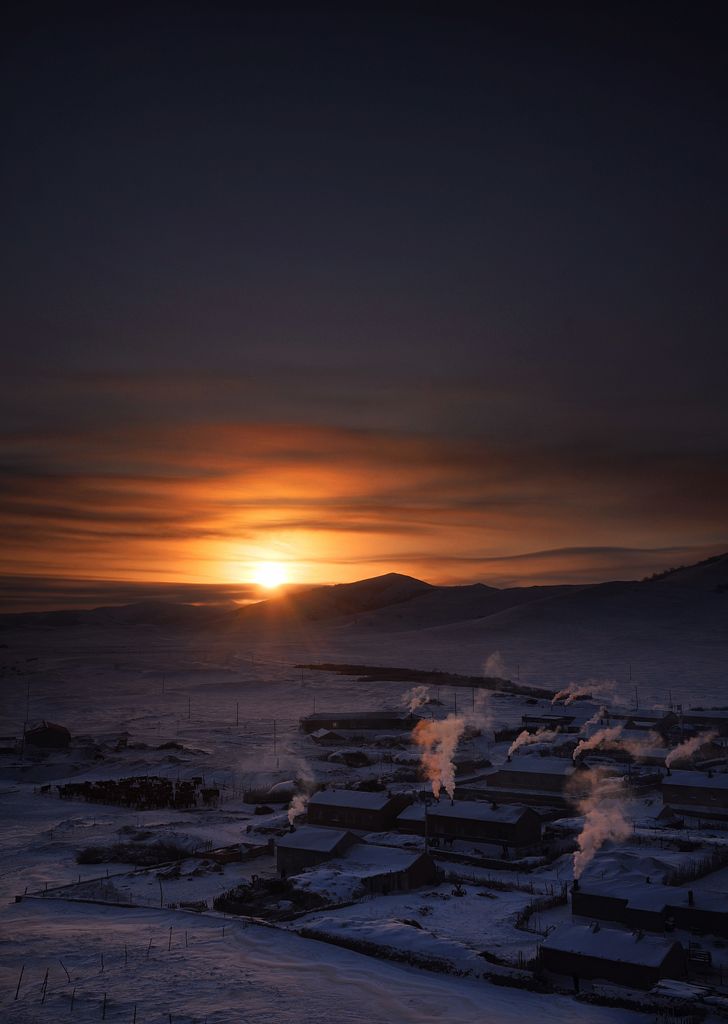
(565, 844)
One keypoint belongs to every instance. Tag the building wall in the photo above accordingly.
(701, 796)
(524, 832)
(631, 975)
(362, 819)
(510, 778)
(421, 872)
(699, 920)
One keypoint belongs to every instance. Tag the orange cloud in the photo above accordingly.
(203, 502)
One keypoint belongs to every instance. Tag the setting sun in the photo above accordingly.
(270, 575)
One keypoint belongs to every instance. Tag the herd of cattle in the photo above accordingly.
(143, 792)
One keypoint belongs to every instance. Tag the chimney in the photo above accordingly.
(508, 758)
(575, 887)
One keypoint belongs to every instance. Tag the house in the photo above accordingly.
(386, 869)
(634, 901)
(700, 720)
(356, 809)
(327, 738)
(307, 846)
(632, 959)
(49, 736)
(646, 720)
(357, 721)
(412, 820)
(529, 779)
(696, 793)
(476, 821)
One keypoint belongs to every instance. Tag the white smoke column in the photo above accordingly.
(297, 807)
(602, 738)
(684, 751)
(495, 666)
(597, 717)
(603, 809)
(479, 715)
(416, 697)
(591, 688)
(526, 738)
(439, 740)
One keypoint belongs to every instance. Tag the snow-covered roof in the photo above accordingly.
(350, 798)
(610, 944)
(477, 810)
(643, 895)
(367, 859)
(717, 780)
(311, 838)
(415, 812)
(716, 714)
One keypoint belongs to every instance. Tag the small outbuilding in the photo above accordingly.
(384, 869)
(307, 846)
(49, 736)
(355, 809)
(632, 959)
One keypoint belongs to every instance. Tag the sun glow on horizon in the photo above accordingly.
(270, 575)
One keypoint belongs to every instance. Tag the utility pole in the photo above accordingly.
(237, 712)
(189, 708)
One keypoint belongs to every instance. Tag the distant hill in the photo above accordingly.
(711, 574)
(140, 613)
(693, 596)
(338, 601)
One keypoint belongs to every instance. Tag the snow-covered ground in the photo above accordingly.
(231, 709)
(224, 971)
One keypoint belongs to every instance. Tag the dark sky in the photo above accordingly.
(358, 287)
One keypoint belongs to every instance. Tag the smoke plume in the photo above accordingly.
(591, 688)
(597, 718)
(439, 740)
(297, 807)
(526, 738)
(686, 750)
(602, 738)
(415, 698)
(495, 666)
(602, 806)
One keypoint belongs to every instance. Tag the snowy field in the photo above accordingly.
(249, 974)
